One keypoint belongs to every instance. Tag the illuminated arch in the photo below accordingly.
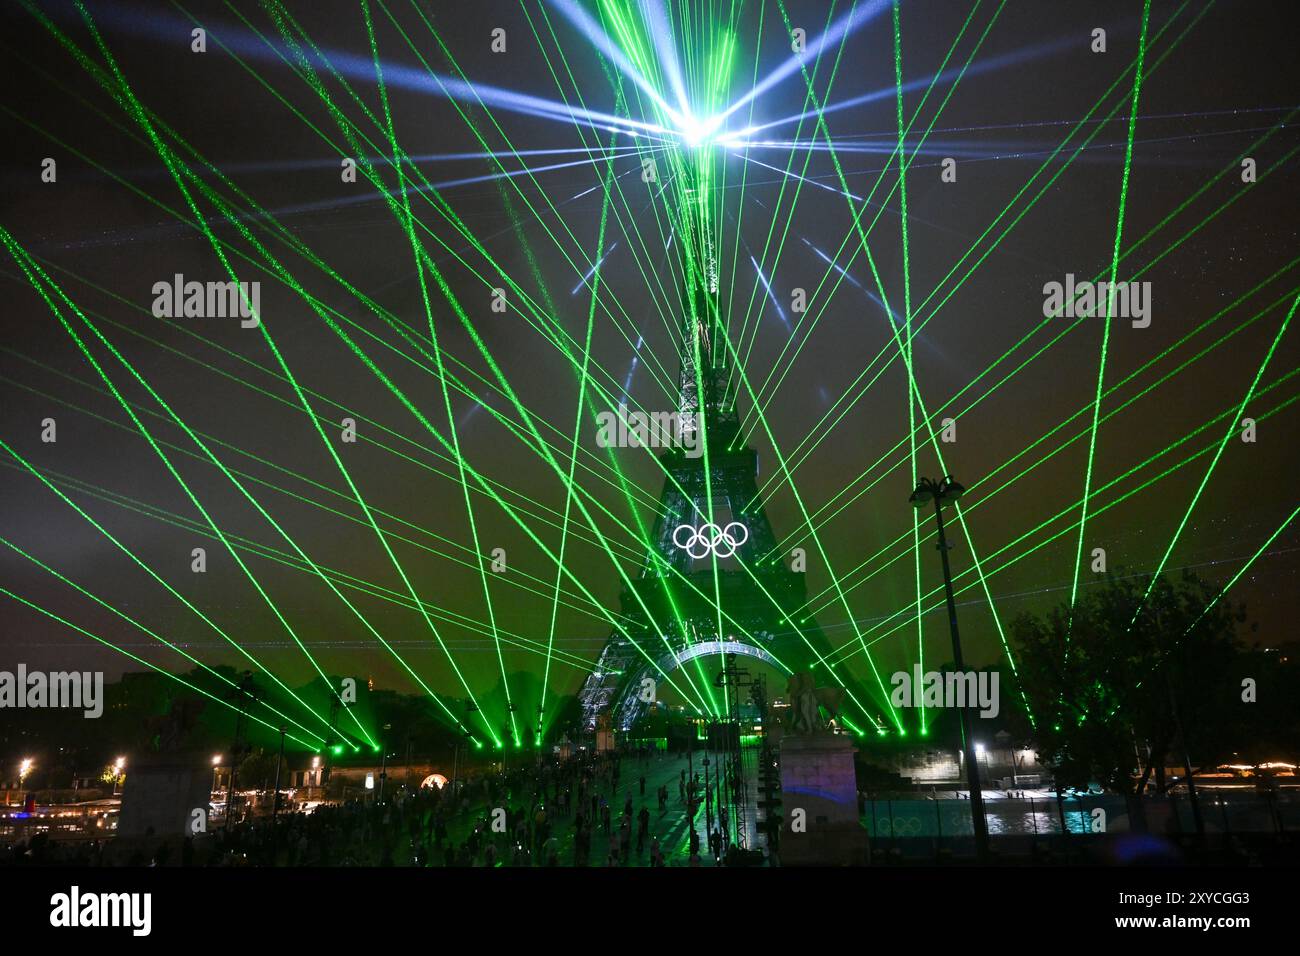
(632, 706)
(672, 661)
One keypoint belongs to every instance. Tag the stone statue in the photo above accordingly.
(807, 700)
(173, 727)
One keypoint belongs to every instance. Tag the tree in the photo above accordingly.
(257, 771)
(1110, 681)
(112, 775)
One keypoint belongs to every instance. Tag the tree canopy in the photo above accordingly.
(1111, 680)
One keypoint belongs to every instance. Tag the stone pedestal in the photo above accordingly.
(817, 777)
(162, 792)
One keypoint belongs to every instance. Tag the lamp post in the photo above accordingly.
(275, 803)
(708, 799)
(383, 761)
(24, 769)
(940, 493)
(245, 691)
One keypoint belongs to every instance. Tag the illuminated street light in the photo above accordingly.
(118, 766)
(216, 763)
(940, 493)
(24, 769)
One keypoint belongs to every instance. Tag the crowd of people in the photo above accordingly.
(589, 809)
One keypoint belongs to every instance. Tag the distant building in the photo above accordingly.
(1003, 764)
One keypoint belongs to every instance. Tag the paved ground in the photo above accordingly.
(671, 826)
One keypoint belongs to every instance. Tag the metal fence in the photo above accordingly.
(920, 827)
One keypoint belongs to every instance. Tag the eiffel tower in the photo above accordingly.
(741, 603)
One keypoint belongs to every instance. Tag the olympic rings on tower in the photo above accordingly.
(710, 538)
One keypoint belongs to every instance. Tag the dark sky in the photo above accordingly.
(1226, 84)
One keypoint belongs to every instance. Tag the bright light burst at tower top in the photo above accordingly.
(697, 132)
(806, 248)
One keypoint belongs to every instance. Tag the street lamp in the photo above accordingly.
(118, 765)
(383, 762)
(24, 768)
(940, 493)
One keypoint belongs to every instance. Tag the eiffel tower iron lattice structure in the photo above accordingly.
(706, 594)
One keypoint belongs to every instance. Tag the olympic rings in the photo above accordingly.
(900, 826)
(710, 538)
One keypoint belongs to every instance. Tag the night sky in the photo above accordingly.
(1228, 85)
